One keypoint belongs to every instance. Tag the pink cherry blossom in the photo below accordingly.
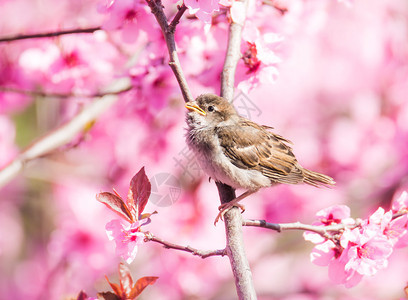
(401, 203)
(335, 214)
(258, 57)
(397, 231)
(130, 16)
(393, 229)
(203, 9)
(367, 250)
(363, 253)
(238, 13)
(126, 236)
(324, 253)
(340, 275)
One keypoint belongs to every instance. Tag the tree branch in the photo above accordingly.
(233, 219)
(48, 34)
(232, 57)
(168, 32)
(177, 17)
(64, 133)
(203, 254)
(322, 230)
(63, 95)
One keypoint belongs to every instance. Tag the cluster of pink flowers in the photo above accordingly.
(357, 248)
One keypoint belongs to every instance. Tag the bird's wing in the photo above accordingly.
(250, 146)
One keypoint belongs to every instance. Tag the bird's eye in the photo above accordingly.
(211, 108)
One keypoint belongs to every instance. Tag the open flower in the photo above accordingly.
(401, 204)
(126, 231)
(259, 57)
(126, 236)
(367, 250)
(203, 9)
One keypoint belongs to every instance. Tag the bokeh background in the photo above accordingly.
(341, 97)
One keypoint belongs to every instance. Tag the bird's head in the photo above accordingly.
(210, 110)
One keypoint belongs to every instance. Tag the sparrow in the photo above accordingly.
(240, 153)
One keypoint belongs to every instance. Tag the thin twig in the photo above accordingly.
(201, 253)
(48, 34)
(177, 17)
(64, 133)
(323, 230)
(168, 32)
(62, 95)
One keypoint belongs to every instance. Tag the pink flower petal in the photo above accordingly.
(323, 254)
(238, 12)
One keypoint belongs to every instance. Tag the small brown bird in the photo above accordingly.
(240, 153)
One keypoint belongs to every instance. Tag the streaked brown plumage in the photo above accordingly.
(238, 152)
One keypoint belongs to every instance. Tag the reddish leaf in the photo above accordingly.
(116, 204)
(82, 296)
(126, 281)
(147, 215)
(116, 193)
(116, 289)
(108, 296)
(139, 193)
(141, 284)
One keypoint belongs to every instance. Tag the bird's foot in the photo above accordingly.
(223, 208)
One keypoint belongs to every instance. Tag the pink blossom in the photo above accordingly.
(367, 250)
(393, 229)
(129, 15)
(364, 252)
(338, 274)
(335, 214)
(379, 218)
(324, 253)
(397, 232)
(259, 58)
(126, 236)
(401, 204)
(238, 12)
(203, 9)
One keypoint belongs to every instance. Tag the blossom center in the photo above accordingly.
(250, 58)
(131, 15)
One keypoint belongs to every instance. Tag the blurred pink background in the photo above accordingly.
(340, 97)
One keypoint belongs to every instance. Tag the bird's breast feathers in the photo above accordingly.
(212, 158)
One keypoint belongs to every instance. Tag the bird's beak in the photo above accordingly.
(193, 106)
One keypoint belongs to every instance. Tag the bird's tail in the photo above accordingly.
(317, 179)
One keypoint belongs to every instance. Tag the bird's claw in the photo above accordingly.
(223, 208)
